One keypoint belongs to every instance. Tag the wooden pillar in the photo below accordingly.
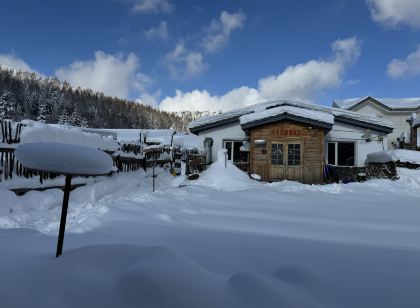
(63, 216)
(413, 137)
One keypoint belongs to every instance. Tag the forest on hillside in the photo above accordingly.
(25, 95)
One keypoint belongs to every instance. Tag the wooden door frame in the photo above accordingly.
(283, 142)
(286, 143)
(301, 143)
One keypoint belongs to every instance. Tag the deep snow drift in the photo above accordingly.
(222, 241)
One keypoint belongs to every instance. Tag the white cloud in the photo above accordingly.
(152, 6)
(407, 67)
(114, 75)
(13, 62)
(197, 100)
(157, 33)
(183, 63)
(151, 99)
(394, 13)
(218, 33)
(304, 81)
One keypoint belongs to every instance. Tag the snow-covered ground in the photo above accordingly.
(221, 241)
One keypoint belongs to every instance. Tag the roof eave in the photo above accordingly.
(282, 117)
(376, 127)
(382, 105)
(200, 128)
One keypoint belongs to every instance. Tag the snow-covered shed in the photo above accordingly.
(293, 140)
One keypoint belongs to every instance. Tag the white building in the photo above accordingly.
(346, 140)
(396, 110)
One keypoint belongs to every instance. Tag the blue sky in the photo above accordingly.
(217, 55)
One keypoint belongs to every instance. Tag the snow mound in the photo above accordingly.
(179, 181)
(8, 200)
(166, 278)
(40, 210)
(410, 178)
(226, 177)
(40, 132)
(160, 277)
(404, 156)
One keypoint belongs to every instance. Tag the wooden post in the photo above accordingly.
(63, 216)
(153, 175)
(413, 135)
(187, 164)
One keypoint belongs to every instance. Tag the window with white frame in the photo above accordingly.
(341, 153)
(233, 148)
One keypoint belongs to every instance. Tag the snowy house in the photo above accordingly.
(396, 110)
(293, 140)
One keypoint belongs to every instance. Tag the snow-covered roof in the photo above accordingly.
(361, 117)
(319, 116)
(339, 114)
(391, 103)
(126, 135)
(117, 134)
(405, 156)
(159, 136)
(188, 141)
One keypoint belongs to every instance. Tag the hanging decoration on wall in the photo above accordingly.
(367, 136)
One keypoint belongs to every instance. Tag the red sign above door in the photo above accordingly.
(286, 132)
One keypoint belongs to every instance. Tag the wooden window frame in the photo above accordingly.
(294, 155)
(277, 155)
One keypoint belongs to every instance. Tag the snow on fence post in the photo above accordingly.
(66, 159)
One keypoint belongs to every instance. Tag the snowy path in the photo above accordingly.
(223, 241)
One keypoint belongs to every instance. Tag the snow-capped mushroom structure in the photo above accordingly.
(67, 159)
